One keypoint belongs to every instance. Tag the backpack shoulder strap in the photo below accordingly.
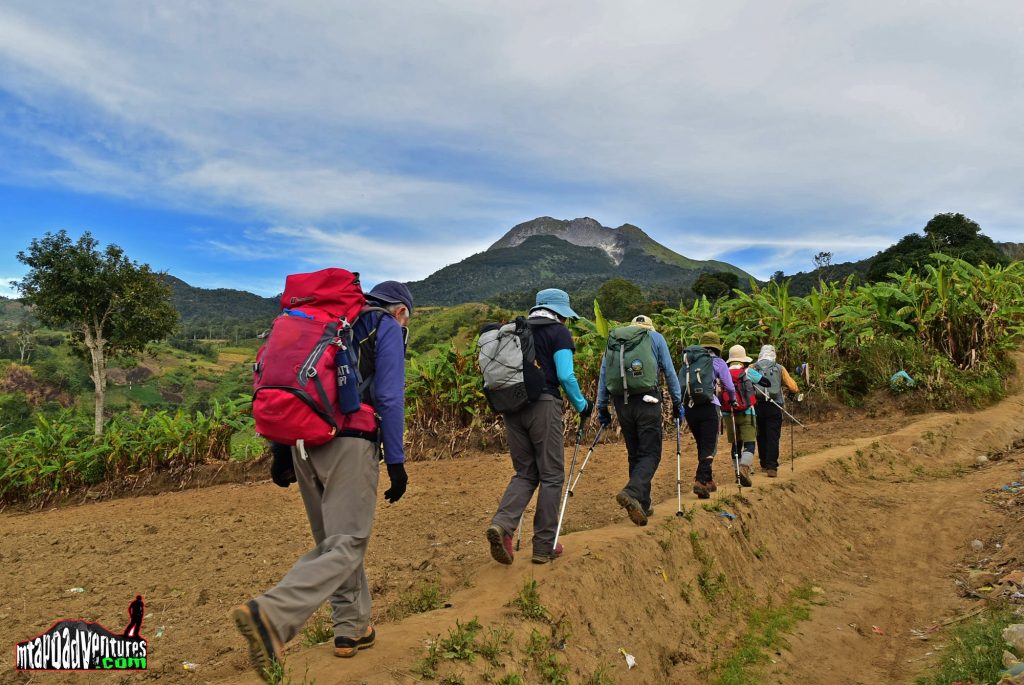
(365, 367)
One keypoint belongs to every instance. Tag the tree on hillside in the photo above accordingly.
(111, 304)
(620, 299)
(715, 285)
(950, 233)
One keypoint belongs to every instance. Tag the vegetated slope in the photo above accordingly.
(201, 305)
(677, 594)
(577, 254)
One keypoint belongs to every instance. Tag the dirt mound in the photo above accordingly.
(876, 515)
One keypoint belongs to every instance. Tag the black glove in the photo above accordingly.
(587, 410)
(604, 417)
(676, 411)
(396, 473)
(282, 470)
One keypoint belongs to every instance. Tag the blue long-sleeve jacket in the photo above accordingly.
(388, 387)
(567, 378)
(664, 358)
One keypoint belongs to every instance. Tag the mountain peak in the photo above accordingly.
(584, 232)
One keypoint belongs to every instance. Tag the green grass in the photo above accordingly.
(319, 629)
(425, 597)
(460, 645)
(710, 583)
(527, 602)
(765, 632)
(974, 651)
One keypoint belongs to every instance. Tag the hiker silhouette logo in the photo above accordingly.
(77, 645)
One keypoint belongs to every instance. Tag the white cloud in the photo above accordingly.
(455, 119)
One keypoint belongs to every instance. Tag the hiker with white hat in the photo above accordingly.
(769, 413)
(742, 410)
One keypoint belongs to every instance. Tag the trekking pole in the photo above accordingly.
(679, 475)
(585, 460)
(765, 395)
(519, 531)
(565, 497)
(736, 447)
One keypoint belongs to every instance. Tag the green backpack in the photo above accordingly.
(630, 364)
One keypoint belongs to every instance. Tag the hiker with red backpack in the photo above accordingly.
(533, 421)
(702, 372)
(741, 411)
(635, 358)
(769, 412)
(330, 382)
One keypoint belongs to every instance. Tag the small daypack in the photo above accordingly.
(744, 391)
(630, 364)
(306, 383)
(773, 372)
(697, 376)
(508, 360)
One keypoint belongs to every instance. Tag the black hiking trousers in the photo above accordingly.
(705, 422)
(641, 430)
(769, 432)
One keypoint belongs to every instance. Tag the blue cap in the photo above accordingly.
(557, 301)
(392, 292)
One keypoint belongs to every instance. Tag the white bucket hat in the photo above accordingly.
(644, 321)
(738, 353)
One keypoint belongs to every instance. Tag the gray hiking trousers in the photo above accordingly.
(536, 442)
(338, 483)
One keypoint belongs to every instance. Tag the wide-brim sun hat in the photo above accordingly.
(711, 339)
(556, 301)
(738, 353)
(642, 321)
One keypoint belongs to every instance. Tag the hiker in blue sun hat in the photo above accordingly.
(536, 434)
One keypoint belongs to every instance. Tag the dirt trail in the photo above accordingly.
(871, 515)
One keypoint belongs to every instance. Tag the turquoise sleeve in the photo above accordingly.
(567, 378)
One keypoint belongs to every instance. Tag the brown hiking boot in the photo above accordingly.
(264, 646)
(701, 490)
(346, 647)
(772, 473)
(710, 485)
(501, 545)
(745, 480)
(633, 508)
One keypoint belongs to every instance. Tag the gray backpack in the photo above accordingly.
(773, 372)
(512, 376)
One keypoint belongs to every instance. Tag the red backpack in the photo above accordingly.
(744, 391)
(306, 385)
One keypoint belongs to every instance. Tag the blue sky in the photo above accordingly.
(233, 143)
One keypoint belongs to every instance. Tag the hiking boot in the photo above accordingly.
(710, 485)
(633, 508)
(701, 490)
(539, 558)
(264, 646)
(501, 545)
(772, 473)
(346, 647)
(745, 480)
(649, 512)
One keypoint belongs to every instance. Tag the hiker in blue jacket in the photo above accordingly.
(640, 415)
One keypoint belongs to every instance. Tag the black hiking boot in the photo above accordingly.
(633, 508)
